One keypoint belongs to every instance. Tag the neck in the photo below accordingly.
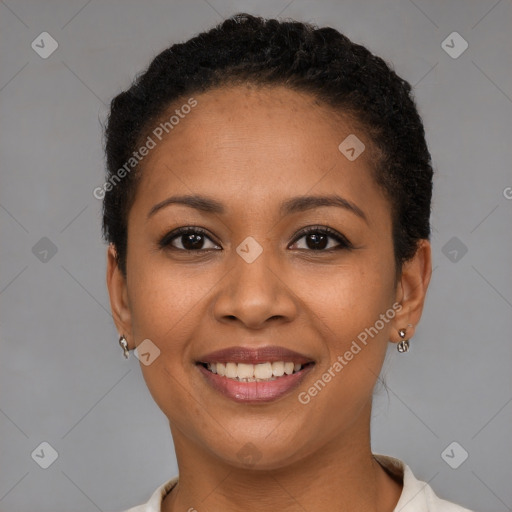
(341, 476)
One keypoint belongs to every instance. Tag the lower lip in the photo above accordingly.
(263, 391)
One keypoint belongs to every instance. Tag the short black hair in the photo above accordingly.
(246, 49)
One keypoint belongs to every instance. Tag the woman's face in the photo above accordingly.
(258, 167)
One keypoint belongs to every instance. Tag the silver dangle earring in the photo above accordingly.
(124, 346)
(403, 344)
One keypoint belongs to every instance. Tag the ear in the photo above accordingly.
(411, 291)
(118, 292)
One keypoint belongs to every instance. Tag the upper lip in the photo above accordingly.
(254, 355)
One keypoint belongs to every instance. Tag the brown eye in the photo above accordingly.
(188, 239)
(316, 241)
(320, 239)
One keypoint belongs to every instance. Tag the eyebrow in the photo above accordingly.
(293, 205)
(202, 203)
(302, 203)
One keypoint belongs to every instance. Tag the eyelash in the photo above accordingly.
(344, 243)
(324, 230)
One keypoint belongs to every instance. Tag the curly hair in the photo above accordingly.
(246, 49)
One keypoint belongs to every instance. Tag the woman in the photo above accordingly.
(267, 210)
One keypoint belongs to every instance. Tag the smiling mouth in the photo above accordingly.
(261, 372)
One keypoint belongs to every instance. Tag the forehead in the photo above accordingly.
(254, 144)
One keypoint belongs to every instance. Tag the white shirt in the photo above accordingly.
(417, 496)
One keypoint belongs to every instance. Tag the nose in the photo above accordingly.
(255, 294)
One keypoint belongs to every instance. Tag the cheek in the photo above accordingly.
(349, 305)
(350, 298)
(364, 296)
(164, 302)
(163, 298)
(355, 308)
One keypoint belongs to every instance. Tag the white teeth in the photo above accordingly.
(254, 372)
(278, 369)
(221, 369)
(263, 371)
(231, 370)
(245, 371)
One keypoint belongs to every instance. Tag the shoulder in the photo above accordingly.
(417, 496)
(154, 504)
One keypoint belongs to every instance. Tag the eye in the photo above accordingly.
(320, 238)
(188, 239)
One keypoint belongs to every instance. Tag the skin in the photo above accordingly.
(251, 149)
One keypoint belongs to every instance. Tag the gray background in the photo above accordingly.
(63, 379)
